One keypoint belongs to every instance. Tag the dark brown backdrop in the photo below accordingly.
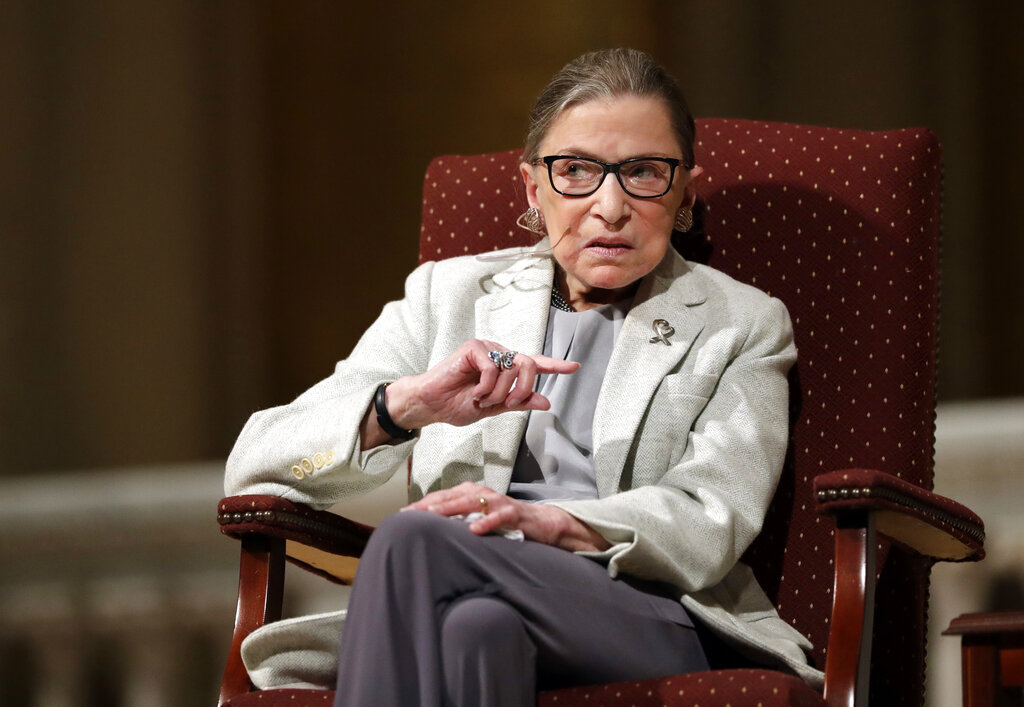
(202, 204)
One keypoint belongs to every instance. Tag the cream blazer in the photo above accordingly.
(689, 438)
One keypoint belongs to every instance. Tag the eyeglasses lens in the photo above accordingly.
(577, 176)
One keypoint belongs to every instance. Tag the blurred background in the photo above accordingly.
(204, 202)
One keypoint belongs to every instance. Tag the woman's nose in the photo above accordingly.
(611, 203)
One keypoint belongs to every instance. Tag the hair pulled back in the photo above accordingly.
(607, 74)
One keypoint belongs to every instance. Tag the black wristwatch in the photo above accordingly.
(384, 419)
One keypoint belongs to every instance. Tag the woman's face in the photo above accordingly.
(606, 241)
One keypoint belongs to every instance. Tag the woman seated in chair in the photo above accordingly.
(596, 427)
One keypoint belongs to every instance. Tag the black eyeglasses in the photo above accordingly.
(640, 177)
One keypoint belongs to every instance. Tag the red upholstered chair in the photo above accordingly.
(843, 226)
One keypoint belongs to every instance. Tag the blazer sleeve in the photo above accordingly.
(308, 450)
(691, 527)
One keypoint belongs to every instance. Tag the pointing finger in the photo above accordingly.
(546, 364)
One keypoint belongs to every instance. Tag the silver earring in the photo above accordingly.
(532, 221)
(684, 220)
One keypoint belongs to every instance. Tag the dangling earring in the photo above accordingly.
(532, 221)
(684, 220)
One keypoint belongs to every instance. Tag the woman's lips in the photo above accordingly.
(607, 249)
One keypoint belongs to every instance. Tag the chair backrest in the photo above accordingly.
(843, 226)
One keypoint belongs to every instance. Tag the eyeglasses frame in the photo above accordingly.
(614, 168)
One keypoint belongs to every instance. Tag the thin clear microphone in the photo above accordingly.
(494, 257)
(497, 257)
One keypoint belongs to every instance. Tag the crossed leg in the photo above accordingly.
(440, 616)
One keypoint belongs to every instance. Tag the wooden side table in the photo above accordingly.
(992, 652)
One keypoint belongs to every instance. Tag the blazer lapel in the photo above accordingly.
(513, 314)
(638, 365)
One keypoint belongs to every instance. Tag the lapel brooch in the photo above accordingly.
(662, 330)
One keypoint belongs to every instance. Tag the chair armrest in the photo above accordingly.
(924, 521)
(276, 517)
(865, 501)
(265, 525)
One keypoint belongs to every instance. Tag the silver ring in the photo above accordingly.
(506, 359)
(497, 357)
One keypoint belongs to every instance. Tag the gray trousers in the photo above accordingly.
(440, 616)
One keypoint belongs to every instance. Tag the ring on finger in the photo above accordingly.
(506, 359)
(483, 505)
(497, 358)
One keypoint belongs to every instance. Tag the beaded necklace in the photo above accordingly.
(558, 302)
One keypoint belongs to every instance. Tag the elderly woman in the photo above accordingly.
(598, 428)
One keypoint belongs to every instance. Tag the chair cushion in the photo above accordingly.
(283, 698)
(295, 653)
(721, 687)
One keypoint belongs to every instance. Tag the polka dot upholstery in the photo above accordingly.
(742, 688)
(470, 205)
(843, 226)
(282, 698)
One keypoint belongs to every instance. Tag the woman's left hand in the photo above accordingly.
(539, 522)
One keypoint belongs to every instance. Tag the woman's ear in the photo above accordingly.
(526, 170)
(690, 190)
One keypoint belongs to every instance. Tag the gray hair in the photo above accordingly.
(606, 74)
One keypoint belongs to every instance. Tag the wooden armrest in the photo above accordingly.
(272, 529)
(865, 501)
(260, 595)
(924, 521)
(276, 517)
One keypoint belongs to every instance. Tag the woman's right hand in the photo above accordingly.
(467, 386)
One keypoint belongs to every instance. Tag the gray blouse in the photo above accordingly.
(554, 460)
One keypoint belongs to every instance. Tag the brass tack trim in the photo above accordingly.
(901, 499)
